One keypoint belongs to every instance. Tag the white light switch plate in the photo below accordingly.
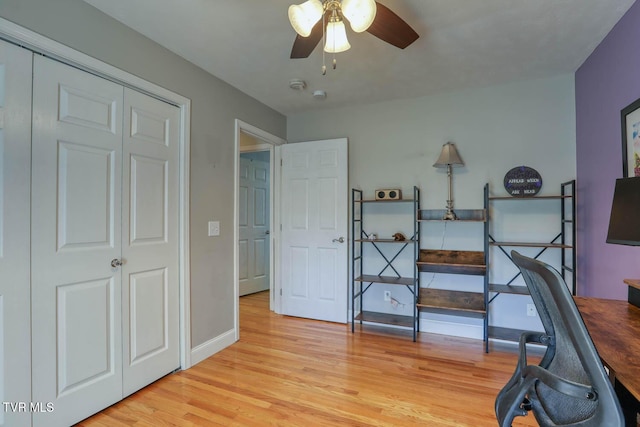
(214, 228)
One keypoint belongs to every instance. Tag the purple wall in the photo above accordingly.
(608, 81)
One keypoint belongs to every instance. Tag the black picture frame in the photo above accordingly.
(630, 124)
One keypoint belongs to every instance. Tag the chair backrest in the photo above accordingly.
(575, 358)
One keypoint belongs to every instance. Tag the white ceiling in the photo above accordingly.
(462, 44)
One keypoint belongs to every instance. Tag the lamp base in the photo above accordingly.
(450, 215)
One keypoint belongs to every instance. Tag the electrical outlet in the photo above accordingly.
(387, 295)
(531, 310)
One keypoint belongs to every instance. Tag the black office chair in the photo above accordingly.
(569, 386)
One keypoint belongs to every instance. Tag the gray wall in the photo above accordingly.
(214, 107)
(394, 145)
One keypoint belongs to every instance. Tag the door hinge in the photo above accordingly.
(280, 291)
(280, 162)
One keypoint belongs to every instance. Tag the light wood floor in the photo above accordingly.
(294, 372)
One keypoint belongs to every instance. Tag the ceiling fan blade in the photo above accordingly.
(303, 46)
(389, 27)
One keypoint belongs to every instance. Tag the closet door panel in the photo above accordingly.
(86, 196)
(15, 179)
(150, 296)
(76, 233)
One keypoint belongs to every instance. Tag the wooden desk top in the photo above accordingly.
(634, 283)
(614, 327)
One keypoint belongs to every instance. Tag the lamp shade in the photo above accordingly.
(448, 157)
(304, 16)
(336, 38)
(624, 222)
(360, 13)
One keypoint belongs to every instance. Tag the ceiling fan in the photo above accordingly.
(314, 19)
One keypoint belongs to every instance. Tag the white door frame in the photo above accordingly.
(40, 44)
(269, 142)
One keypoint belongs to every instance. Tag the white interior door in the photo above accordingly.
(15, 184)
(253, 225)
(76, 194)
(314, 229)
(150, 300)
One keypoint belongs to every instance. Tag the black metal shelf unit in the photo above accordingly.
(459, 303)
(389, 275)
(565, 241)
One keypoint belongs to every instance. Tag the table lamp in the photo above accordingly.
(449, 157)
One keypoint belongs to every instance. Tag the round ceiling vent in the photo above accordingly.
(297, 84)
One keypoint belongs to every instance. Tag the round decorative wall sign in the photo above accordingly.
(522, 181)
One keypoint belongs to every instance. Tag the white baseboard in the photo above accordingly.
(211, 347)
(450, 328)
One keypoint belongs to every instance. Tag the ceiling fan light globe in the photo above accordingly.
(304, 16)
(336, 38)
(359, 13)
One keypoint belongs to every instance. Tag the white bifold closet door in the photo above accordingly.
(104, 240)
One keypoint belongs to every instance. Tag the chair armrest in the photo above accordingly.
(561, 385)
(530, 338)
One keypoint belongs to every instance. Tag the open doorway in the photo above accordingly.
(256, 214)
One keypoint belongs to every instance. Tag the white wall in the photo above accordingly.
(394, 145)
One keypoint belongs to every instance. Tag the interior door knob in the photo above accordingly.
(115, 263)
(339, 240)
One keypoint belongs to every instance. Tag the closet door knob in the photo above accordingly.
(115, 263)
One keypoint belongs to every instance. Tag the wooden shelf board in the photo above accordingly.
(452, 262)
(387, 280)
(410, 241)
(384, 201)
(531, 245)
(530, 198)
(445, 300)
(508, 289)
(452, 311)
(463, 215)
(385, 318)
(472, 270)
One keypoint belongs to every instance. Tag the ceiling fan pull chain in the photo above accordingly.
(324, 36)
(335, 16)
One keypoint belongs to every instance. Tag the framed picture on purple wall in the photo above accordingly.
(631, 139)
